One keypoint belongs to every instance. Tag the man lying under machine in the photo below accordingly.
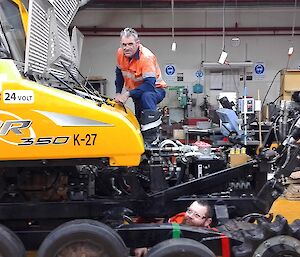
(198, 214)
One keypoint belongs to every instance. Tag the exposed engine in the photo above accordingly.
(170, 164)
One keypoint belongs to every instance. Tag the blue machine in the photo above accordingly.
(229, 122)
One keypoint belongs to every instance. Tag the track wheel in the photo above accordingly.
(10, 244)
(181, 247)
(279, 246)
(80, 238)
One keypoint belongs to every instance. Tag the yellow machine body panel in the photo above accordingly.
(23, 13)
(43, 123)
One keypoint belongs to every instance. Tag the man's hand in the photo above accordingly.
(140, 252)
(122, 98)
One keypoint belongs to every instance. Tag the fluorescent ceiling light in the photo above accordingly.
(222, 58)
(231, 65)
(173, 47)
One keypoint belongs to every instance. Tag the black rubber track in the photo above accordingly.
(267, 235)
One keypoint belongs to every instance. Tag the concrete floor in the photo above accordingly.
(289, 209)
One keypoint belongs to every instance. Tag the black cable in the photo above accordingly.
(86, 82)
(73, 77)
(276, 99)
(274, 109)
(60, 80)
(270, 87)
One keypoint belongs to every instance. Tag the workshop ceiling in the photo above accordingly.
(190, 3)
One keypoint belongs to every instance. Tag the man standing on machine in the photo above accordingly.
(138, 70)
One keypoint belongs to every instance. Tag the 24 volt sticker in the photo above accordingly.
(18, 96)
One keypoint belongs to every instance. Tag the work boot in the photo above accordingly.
(150, 122)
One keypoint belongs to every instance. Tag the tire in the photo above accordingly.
(87, 238)
(10, 244)
(181, 247)
(279, 246)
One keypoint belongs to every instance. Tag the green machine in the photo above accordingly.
(182, 95)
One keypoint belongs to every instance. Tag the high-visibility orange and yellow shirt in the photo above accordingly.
(138, 68)
(178, 218)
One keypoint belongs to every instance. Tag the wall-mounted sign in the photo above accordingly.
(180, 76)
(170, 72)
(199, 74)
(259, 70)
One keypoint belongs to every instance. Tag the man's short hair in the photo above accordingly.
(129, 32)
(208, 207)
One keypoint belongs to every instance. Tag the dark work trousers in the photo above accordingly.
(148, 100)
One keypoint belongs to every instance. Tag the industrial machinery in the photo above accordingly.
(72, 160)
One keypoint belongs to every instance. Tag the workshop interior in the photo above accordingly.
(78, 177)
